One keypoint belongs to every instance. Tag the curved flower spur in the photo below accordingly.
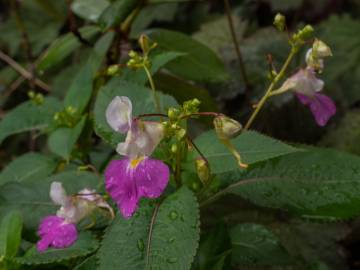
(59, 231)
(136, 175)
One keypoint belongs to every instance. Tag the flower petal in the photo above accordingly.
(141, 139)
(121, 185)
(55, 232)
(119, 114)
(321, 106)
(151, 176)
(58, 194)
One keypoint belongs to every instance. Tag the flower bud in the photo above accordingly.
(279, 22)
(173, 113)
(320, 49)
(226, 127)
(113, 70)
(203, 170)
(306, 32)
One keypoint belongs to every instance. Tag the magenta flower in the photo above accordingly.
(56, 232)
(137, 175)
(306, 87)
(60, 231)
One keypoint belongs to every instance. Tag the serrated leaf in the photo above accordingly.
(173, 238)
(200, 63)
(32, 198)
(140, 96)
(28, 116)
(116, 13)
(89, 9)
(10, 234)
(81, 87)
(63, 47)
(30, 166)
(316, 184)
(84, 245)
(63, 140)
(252, 146)
(254, 244)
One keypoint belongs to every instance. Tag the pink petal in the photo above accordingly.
(321, 106)
(152, 176)
(54, 232)
(126, 184)
(120, 183)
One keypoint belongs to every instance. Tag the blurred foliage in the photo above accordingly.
(295, 208)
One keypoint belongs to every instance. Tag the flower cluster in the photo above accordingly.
(59, 231)
(136, 175)
(307, 86)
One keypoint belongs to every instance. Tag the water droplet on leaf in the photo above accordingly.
(173, 215)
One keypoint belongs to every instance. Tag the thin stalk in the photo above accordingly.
(236, 44)
(152, 85)
(271, 87)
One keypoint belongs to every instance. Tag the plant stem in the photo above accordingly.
(152, 85)
(236, 44)
(271, 87)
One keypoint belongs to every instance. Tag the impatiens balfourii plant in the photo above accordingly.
(161, 159)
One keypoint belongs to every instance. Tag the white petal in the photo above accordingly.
(119, 114)
(58, 193)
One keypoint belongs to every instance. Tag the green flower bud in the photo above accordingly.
(203, 170)
(173, 113)
(226, 127)
(174, 148)
(306, 32)
(180, 134)
(279, 22)
(113, 70)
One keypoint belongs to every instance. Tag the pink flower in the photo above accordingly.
(60, 231)
(56, 232)
(137, 175)
(306, 87)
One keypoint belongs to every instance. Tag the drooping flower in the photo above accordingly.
(306, 87)
(60, 231)
(136, 175)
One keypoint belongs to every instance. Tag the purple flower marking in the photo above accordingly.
(129, 180)
(321, 106)
(55, 232)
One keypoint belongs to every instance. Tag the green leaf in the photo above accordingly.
(89, 9)
(116, 13)
(316, 184)
(200, 63)
(28, 116)
(10, 234)
(185, 91)
(88, 264)
(140, 96)
(84, 245)
(63, 47)
(173, 236)
(252, 146)
(254, 244)
(342, 71)
(30, 166)
(63, 140)
(81, 87)
(214, 249)
(32, 198)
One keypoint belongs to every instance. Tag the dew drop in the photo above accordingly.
(140, 245)
(173, 215)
